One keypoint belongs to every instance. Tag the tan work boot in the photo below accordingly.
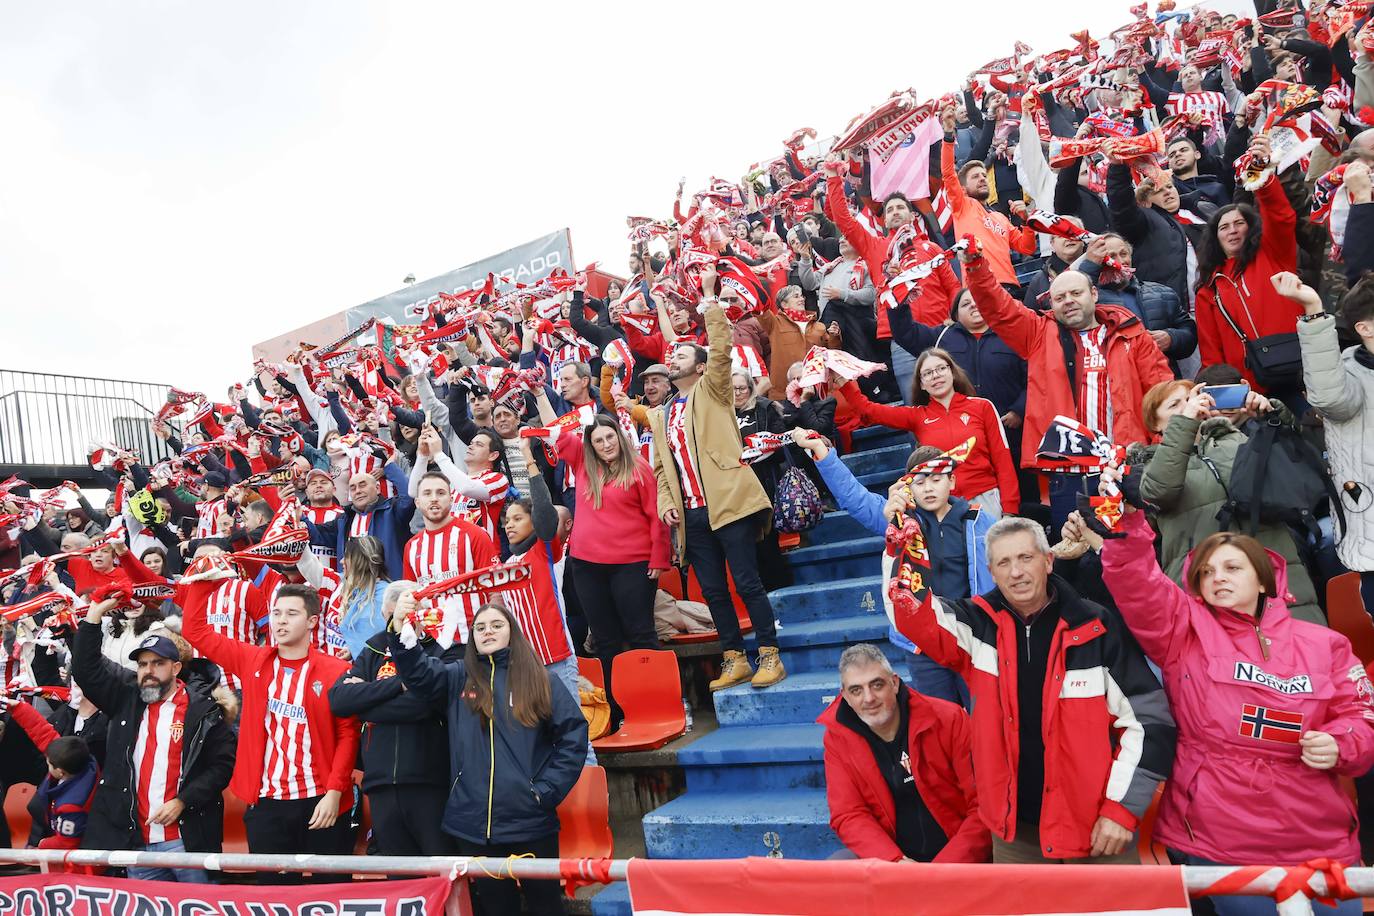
(770, 668)
(733, 670)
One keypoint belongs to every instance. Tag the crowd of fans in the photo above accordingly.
(1128, 322)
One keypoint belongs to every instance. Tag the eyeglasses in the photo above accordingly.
(935, 372)
(742, 388)
(730, 299)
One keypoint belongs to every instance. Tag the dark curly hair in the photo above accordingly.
(1210, 256)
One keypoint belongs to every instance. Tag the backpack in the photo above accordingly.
(1278, 478)
(796, 501)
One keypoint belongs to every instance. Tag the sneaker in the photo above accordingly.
(770, 668)
(733, 670)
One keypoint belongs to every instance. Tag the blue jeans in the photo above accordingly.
(566, 672)
(184, 875)
(933, 679)
(1261, 906)
(1064, 490)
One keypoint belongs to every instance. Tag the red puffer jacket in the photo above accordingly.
(862, 812)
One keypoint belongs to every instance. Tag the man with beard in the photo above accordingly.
(169, 753)
(968, 190)
(446, 547)
(320, 507)
(899, 769)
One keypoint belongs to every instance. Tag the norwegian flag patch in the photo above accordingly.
(1265, 724)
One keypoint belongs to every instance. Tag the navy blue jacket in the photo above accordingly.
(1359, 242)
(1155, 304)
(509, 778)
(996, 371)
(390, 524)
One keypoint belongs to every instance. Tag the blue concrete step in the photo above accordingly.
(879, 481)
(816, 645)
(881, 437)
(893, 457)
(732, 825)
(768, 758)
(613, 900)
(823, 600)
(836, 526)
(837, 560)
(798, 699)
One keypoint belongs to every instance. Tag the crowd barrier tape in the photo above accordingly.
(1293, 886)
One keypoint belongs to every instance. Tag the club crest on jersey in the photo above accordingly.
(387, 670)
(1253, 674)
(1265, 724)
(177, 730)
(317, 687)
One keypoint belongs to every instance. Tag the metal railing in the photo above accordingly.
(51, 419)
(1197, 879)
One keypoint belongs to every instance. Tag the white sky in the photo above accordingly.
(181, 180)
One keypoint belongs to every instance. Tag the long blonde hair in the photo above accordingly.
(620, 472)
(364, 566)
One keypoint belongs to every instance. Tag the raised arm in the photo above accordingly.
(1155, 608)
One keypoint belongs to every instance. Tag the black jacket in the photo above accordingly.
(1153, 303)
(404, 738)
(1161, 247)
(207, 755)
(1072, 199)
(509, 778)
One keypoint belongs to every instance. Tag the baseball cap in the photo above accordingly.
(657, 369)
(158, 645)
(215, 479)
(321, 472)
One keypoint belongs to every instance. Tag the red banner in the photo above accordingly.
(72, 895)
(665, 887)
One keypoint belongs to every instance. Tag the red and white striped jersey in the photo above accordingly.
(693, 494)
(360, 525)
(157, 762)
(485, 512)
(1212, 104)
(537, 603)
(1094, 392)
(207, 511)
(234, 609)
(320, 514)
(458, 547)
(289, 768)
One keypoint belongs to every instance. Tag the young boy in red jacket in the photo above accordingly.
(295, 758)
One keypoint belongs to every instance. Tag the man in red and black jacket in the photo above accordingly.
(294, 767)
(899, 769)
(1072, 733)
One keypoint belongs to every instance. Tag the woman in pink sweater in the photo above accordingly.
(618, 546)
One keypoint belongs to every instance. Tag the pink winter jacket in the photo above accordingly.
(1239, 792)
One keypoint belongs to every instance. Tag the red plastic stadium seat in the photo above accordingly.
(693, 593)
(590, 668)
(17, 814)
(1346, 614)
(649, 690)
(584, 818)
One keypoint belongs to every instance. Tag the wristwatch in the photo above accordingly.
(1305, 316)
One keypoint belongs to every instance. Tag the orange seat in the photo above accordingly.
(584, 818)
(1152, 853)
(1346, 614)
(671, 582)
(590, 668)
(649, 690)
(17, 814)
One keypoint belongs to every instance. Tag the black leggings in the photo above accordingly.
(618, 599)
